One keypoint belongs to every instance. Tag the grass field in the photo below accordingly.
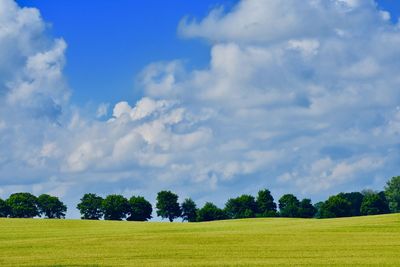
(372, 240)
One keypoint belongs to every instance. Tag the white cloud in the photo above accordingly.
(299, 96)
(102, 110)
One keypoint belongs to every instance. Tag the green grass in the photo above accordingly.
(372, 240)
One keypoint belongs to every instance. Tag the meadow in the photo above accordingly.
(367, 241)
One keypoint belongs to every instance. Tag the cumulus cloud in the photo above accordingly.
(299, 96)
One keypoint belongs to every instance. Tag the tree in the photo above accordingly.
(355, 199)
(392, 193)
(5, 210)
(90, 207)
(289, 206)
(140, 209)
(241, 207)
(23, 205)
(373, 204)
(306, 209)
(335, 206)
(266, 204)
(210, 212)
(51, 207)
(189, 210)
(318, 207)
(115, 207)
(167, 205)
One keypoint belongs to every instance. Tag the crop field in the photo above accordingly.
(371, 240)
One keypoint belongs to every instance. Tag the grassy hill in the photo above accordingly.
(372, 240)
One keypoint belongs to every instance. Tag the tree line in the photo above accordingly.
(137, 208)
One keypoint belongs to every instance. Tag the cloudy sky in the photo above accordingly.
(210, 99)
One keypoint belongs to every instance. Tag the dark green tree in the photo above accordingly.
(244, 206)
(115, 207)
(265, 203)
(23, 205)
(140, 209)
(373, 204)
(167, 205)
(5, 210)
(306, 209)
(210, 212)
(355, 199)
(289, 206)
(189, 210)
(392, 193)
(90, 207)
(51, 206)
(335, 206)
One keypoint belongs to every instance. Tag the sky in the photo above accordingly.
(209, 99)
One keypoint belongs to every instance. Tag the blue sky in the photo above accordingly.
(134, 33)
(210, 99)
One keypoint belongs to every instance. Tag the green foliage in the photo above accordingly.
(140, 209)
(23, 205)
(355, 199)
(392, 193)
(306, 209)
(189, 210)
(51, 207)
(210, 212)
(289, 206)
(5, 210)
(241, 207)
(167, 205)
(373, 204)
(90, 207)
(115, 207)
(335, 206)
(265, 203)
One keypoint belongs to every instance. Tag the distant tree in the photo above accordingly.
(90, 207)
(189, 210)
(167, 205)
(335, 206)
(392, 193)
(265, 203)
(289, 206)
(374, 203)
(115, 207)
(51, 206)
(210, 212)
(23, 205)
(306, 209)
(140, 209)
(318, 208)
(244, 206)
(355, 199)
(5, 210)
